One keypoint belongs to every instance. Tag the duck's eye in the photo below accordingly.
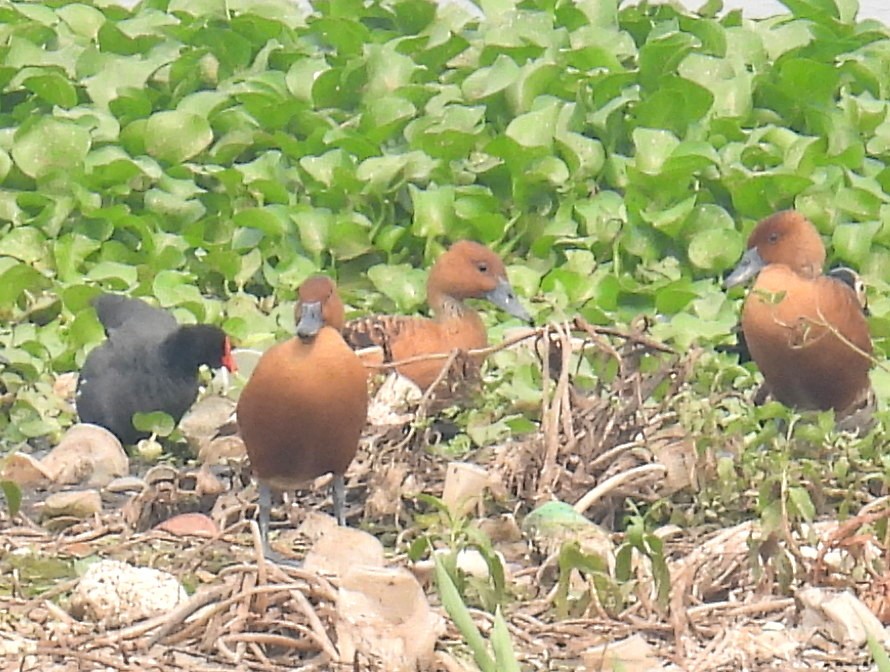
(773, 237)
(482, 266)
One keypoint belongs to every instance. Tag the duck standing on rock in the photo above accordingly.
(303, 409)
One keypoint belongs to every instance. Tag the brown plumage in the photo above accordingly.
(302, 412)
(806, 331)
(468, 270)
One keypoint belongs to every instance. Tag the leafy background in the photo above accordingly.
(213, 154)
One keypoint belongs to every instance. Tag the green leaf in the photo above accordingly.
(433, 211)
(402, 283)
(536, 128)
(15, 279)
(82, 19)
(502, 645)
(24, 243)
(661, 56)
(803, 505)
(51, 86)
(117, 275)
(716, 249)
(852, 242)
(677, 104)
(175, 136)
(156, 422)
(12, 493)
(175, 288)
(486, 82)
(459, 613)
(50, 145)
(878, 654)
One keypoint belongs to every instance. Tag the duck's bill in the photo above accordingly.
(504, 298)
(747, 268)
(311, 319)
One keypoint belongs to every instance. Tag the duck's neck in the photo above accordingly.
(446, 307)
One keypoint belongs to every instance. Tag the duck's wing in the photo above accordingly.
(853, 280)
(377, 330)
(121, 312)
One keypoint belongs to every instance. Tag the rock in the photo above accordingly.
(847, 620)
(75, 503)
(24, 470)
(383, 613)
(115, 594)
(201, 424)
(327, 553)
(633, 654)
(87, 454)
(207, 483)
(126, 484)
(221, 450)
(189, 524)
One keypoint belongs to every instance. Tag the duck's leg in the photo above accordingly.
(338, 495)
(265, 505)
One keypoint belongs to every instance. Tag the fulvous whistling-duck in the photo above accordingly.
(303, 409)
(807, 332)
(147, 363)
(468, 270)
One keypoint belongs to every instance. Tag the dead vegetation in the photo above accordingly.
(707, 597)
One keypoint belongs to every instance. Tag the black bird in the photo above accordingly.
(149, 362)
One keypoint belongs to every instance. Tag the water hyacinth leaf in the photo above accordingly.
(433, 211)
(852, 241)
(584, 156)
(5, 165)
(662, 55)
(51, 85)
(404, 284)
(314, 226)
(716, 249)
(156, 422)
(25, 243)
(175, 288)
(50, 145)
(270, 220)
(676, 105)
(15, 279)
(175, 136)
(82, 19)
(653, 147)
(757, 196)
(116, 275)
(536, 128)
(490, 80)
